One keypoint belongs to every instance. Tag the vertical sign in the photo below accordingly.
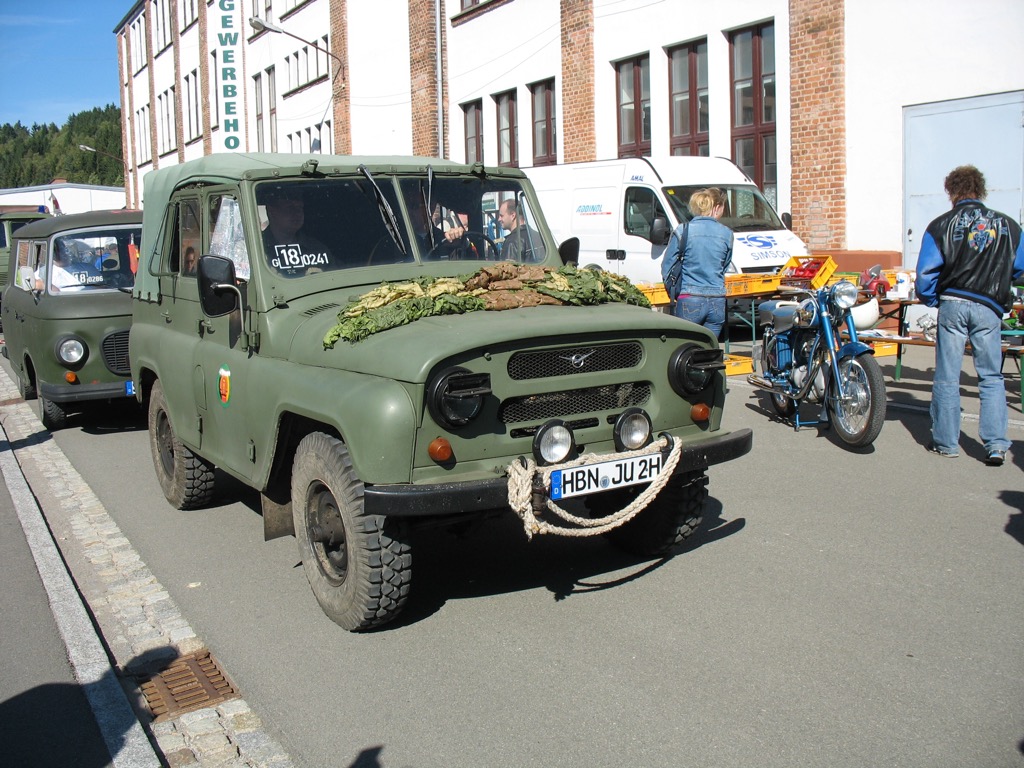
(228, 78)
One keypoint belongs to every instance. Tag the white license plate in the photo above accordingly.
(604, 476)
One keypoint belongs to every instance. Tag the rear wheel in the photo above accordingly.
(53, 415)
(185, 478)
(784, 406)
(859, 417)
(358, 565)
(668, 520)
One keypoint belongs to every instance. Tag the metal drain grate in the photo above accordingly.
(190, 682)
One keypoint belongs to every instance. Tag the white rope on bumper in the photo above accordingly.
(520, 492)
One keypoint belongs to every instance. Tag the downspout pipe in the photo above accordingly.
(437, 75)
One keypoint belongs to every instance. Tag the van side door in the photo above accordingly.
(642, 263)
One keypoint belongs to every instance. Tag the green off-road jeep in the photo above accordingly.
(378, 343)
(67, 310)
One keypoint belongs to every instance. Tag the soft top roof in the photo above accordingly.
(52, 225)
(233, 167)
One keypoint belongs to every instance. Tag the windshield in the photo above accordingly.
(312, 226)
(746, 209)
(94, 260)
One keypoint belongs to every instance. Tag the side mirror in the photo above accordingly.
(660, 231)
(218, 294)
(570, 251)
(787, 219)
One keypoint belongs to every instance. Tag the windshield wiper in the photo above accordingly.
(386, 214)
(428, 211)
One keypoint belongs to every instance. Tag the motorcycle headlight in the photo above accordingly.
(692, 368)
(456, 396)
(71, 351)
(844, 294)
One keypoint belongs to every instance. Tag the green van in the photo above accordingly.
(67, 309)
(13, 218)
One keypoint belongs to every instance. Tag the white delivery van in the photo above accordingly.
(623, 212)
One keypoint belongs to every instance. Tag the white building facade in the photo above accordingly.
(848, 123)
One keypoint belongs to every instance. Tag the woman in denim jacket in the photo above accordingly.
(707, 254)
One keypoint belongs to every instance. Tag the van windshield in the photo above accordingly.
(94, 259)
(746, 209)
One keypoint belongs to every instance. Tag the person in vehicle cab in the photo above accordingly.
(60, 279)
(288, 248)
(188, 261)
(521, 243)
(431, 238)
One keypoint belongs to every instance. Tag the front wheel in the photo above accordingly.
(54, 416)
(185, 478)
(671, 518)
(859, 416)
(358, 565)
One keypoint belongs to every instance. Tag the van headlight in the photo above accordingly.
(692, 368)
(553, 443)
(456, 396)
(71, 351)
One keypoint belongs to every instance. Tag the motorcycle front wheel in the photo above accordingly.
(859, 417)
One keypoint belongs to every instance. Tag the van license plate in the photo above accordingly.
(604, 476)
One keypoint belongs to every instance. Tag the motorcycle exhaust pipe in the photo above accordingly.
(763, 383)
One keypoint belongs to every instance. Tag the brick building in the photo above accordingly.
(847, 122)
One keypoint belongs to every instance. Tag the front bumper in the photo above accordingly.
(75, 393)
(406, 500)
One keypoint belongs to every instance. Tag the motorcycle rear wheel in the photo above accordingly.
(784, 406)
(858, 420)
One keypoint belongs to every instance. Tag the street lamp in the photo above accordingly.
(86, 148)
(260, 25)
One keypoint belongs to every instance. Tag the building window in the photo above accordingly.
(543, 98)
(165, 137)
(162, 14)
(753, 106)
(272, 106)
(688, 94)
(257, 82)
(467, 4)
(633, 84)
(188, 12)
(142, 135)
(214, 90)
(473, 116)
(193, 110)
(139, 44)
(508, 152)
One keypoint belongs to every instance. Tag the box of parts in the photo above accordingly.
(655, 293)
(736, 365)
(807, 271)
(746, 284)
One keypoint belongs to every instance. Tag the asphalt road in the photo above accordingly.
(836, 609)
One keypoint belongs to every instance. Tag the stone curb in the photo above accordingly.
(135, 614)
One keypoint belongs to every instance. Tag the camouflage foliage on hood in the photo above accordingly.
(501, 286)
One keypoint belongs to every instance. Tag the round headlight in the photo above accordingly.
(553, 443)
(844, 294)
(632, 430)
(71, 351)
(456, 396)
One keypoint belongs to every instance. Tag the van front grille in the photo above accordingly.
(115, 353)
(551, 405)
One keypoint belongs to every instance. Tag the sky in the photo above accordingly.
(58, 57)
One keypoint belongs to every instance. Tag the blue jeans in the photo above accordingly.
(708, 311)
(958, 322)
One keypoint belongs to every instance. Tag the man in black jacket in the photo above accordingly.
(969, 258)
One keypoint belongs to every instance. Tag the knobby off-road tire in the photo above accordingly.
(52, 414)
(185, 478)
(859, 420)
(359, 566)
(673, 516)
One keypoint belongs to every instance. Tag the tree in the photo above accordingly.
(37, 155)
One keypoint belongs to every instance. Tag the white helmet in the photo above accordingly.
(865, 315)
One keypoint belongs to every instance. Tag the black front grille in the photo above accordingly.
(551, 405)
(115, 353)
(568, 361)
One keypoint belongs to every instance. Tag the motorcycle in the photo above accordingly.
(804, 359)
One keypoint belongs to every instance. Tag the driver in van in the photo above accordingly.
(60, 279)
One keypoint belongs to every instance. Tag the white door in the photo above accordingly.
(984, 131)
